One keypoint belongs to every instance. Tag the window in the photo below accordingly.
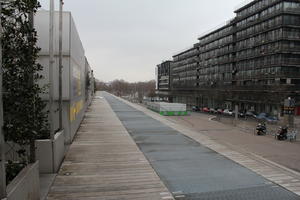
(291, 6)
(291, 20)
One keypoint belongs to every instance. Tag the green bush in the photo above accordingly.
(25, 118)
(12, 170)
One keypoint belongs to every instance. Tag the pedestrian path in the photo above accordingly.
(189, 167)
(105, 163)
(216, 136)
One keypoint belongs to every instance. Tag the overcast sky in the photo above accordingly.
(126, 39)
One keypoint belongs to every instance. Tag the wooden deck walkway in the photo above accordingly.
(104, 163)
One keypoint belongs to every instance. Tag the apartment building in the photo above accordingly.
(252, 61)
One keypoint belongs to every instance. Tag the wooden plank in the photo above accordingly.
(105, 163)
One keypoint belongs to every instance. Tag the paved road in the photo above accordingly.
(189, 169)
(242, 138)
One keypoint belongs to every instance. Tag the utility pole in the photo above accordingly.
(51, 66)
(236, 114)
(60, 62)
(2, 142)
(31, 83)
(92, 82)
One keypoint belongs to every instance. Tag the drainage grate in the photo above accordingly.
(270, 192)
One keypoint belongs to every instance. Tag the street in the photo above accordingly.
(241, 138)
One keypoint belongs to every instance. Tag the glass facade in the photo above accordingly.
(163, 75)
(183, 68)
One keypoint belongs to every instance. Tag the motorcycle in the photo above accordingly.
(282, 133)
(261, 129)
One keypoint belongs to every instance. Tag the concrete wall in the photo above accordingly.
(74, 70)
(44, 154)
(42, 27)
(59, 150)
(41, 22)
(26, 186)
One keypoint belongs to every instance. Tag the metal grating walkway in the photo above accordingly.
(190, 170)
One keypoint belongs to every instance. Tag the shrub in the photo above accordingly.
(25, 118)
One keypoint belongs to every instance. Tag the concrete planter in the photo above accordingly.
(26, 185)
(50, 154)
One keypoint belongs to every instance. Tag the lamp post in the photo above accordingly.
(60, 62)
(2, 143)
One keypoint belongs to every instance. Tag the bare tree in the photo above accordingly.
(137, 90)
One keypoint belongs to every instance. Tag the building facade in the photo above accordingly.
(163, 76)
(253, 61)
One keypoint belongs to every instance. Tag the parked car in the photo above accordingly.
(216, 111)
(195, 108)
(242, 114)
(212, 110)
(262, 116)
(266, 117)
(205, 109)
(220, 111)
(272, 119)
(250, 114)
(228, 112)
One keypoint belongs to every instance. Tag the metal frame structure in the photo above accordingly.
(60, 62)
(51, 65)
(2, 142)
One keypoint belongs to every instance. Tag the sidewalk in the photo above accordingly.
(242, 138)
(105, 163)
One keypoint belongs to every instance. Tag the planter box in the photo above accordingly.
(168, 109)
(26, 185)
(50, 156)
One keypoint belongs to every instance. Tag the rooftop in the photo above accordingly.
(244, 4)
